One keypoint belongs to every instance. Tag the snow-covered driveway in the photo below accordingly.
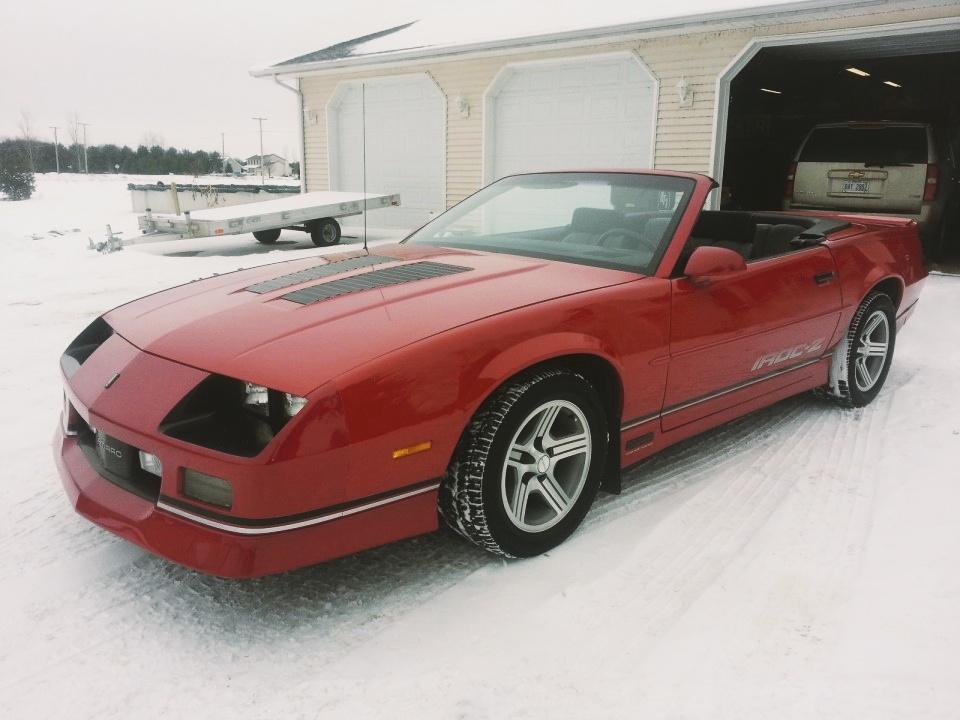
(801, 562)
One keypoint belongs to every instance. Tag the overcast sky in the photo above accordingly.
(180, 69)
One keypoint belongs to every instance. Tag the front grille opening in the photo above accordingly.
(84, 345)
(213, 415)
(117, 462)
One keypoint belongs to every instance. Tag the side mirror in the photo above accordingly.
(708, 262)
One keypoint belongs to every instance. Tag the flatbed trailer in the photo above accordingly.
(315, 213)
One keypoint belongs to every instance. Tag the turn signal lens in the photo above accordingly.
(930, 184)
(791, 175)
(206, 488)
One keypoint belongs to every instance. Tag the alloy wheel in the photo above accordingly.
(873, 344)
(546, 467)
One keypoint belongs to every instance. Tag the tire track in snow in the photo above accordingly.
(169, 592)
(799, 567)
(713, 511)
(692, 546)
(154, 608)
(830, 516)
(724, 508)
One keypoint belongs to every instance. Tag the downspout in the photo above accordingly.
(303, 154)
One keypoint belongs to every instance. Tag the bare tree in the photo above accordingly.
(74, 132)
(152, 139)
(26, 130)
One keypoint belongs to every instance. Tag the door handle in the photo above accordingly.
(824, 277)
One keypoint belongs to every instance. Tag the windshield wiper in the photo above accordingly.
(879, 164)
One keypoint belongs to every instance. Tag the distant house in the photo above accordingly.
(234, 166)
(273, 165)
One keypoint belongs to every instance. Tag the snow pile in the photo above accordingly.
(797, 563)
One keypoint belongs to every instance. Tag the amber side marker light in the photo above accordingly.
(412, 449)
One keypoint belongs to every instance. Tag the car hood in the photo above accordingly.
(234, 325)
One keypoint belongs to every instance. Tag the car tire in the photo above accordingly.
(325, 232)
(267, 237)
(862, 359)
(528, 466)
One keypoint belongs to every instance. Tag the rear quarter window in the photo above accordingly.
(880, 146)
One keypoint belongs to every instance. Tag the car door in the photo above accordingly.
(748, 333)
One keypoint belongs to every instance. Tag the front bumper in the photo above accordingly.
(233, 553)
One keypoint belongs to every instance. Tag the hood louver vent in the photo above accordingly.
(371, 280)
(335, 267)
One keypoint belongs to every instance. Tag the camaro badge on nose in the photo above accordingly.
(112, 380)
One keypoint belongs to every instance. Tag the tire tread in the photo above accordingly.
(461, 493)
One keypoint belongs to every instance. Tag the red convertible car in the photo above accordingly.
(492, 371)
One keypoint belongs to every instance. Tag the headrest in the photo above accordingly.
(654, 228)
(595, 220)
(725, 226)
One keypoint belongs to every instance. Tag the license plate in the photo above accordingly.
(855, 186)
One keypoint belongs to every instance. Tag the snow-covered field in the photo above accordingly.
(801, 562)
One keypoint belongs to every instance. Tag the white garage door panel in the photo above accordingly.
(594, 112)
(405, 136)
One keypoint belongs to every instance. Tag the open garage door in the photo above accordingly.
(878, 91)
(405, 145)
(587, 112)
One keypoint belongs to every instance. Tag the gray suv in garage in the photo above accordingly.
(892, 168)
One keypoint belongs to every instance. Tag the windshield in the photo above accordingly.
(616, 220)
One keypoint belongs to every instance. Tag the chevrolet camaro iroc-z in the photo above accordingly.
(493, 371)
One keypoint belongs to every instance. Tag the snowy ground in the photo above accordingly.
(797, 563)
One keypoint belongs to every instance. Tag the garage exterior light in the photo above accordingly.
(858, 71)
(772, 92)
(891, 83)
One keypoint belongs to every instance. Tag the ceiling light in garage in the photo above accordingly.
(891, 83)
(858, 71)
(772, 92)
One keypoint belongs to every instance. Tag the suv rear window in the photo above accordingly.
(880, 146)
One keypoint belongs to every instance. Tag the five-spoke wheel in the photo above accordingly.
(546, 466)
(873, 344)
(862, 359)
(529, 464)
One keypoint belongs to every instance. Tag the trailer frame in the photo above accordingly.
(311, 212)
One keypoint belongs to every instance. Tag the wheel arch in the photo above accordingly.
(892, 286)
(599, 370)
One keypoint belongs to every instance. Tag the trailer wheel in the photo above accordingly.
(325, 232)
(267, 237)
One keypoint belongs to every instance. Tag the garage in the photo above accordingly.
(731, 93)
(405, 149)
(899, 82)
(597, 111)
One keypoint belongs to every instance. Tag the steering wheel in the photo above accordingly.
(628, 235)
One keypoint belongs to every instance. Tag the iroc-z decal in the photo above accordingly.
(773, 359)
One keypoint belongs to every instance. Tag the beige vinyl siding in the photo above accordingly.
(684, 136)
